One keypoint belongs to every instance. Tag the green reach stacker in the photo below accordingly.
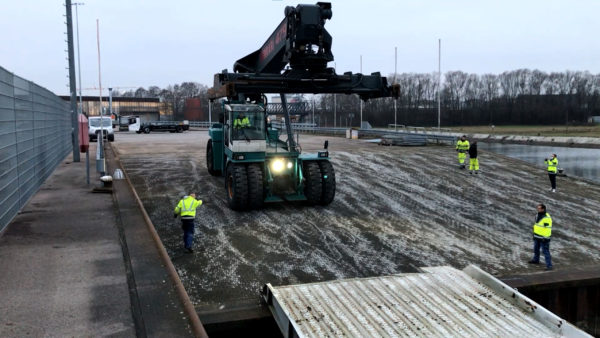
(257, 165)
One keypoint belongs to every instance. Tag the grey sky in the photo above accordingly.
(154, 42)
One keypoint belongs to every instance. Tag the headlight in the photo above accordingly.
(277, 165)
(290, 165)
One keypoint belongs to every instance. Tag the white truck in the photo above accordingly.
(97, 125)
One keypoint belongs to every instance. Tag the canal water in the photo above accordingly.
(578, 162)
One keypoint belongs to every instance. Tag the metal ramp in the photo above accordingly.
(440, 301)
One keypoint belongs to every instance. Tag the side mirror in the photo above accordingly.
(326, 144)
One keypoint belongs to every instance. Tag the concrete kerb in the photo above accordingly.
(195, 322)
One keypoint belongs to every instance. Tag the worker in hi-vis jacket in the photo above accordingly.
(186, 208)
(552, 164)
(462, 146)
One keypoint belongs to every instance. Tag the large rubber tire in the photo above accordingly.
(147, 130)
(111, 138)
(210, 165)
(328, 182)
(236, 186)
(313, 188)
(255, 186)
(179, 129)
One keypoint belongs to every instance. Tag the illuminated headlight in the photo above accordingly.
(290, 165)
(277, 165)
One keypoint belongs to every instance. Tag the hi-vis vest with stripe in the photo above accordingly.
(462, 146)
(552, 164)
(187, 207)
(241, 123)
(543, 228)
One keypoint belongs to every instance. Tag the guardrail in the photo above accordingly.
(200, 124)
(432, 135)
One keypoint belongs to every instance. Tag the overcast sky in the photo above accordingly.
(157, 42)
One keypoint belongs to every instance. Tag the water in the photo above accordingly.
(578, 162)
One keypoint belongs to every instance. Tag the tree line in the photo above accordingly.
(519, 96)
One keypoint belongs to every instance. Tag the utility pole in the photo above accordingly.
(80, 110)
(100, 163)
(110, 111)
(361, 103)
(395, 99)
(334, 96)
(72, 84)
(439, 81)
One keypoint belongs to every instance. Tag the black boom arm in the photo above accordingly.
(301, 42)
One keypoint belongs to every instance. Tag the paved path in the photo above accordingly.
(66, 268)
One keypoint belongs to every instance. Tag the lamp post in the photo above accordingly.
(72, 85)
(439, 80)
(395, 99)
(334, 96)
(361, 103)
(80, 110)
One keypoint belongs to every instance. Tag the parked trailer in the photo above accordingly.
(171, 126)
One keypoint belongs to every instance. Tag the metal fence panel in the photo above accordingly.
(35, 136)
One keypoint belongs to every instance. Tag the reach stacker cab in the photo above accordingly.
(259, 167)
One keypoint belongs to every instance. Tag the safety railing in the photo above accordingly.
(35, 136)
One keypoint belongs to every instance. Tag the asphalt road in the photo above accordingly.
(396, 208)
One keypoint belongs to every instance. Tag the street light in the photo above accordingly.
(361, 103)
(80, 110)
(334, 95)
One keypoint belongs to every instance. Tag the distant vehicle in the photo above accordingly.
(98, 124)
(171, 126)
(129, 123)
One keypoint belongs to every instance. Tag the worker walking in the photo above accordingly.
(462, 146)
(552, 164)
(542, 229)
(473, 161)
(186, 208)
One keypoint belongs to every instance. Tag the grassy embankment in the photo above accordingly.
(588, 131)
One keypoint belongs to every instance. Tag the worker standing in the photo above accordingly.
(462, 146)
(186, 208)
(552, 164)
(473, 161)
(542, 230)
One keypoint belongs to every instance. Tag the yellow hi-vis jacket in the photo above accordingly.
(462, 146)
(187, 207)
(543, 228)
(241, 123)
(552, 164)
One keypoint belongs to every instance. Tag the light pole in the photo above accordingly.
(439, 79)
(72, 85)
(80, 110)
(334, 95)
(395, 99)
(361, 103)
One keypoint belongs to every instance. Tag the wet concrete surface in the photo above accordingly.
(74, 263)
(396, 208)
(61, 265)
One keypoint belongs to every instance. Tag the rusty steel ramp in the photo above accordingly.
(439, 301)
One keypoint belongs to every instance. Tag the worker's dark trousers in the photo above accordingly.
(545, 244)
(552, 180)
(188, 232)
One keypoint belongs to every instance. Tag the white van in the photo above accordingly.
(95, 128)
